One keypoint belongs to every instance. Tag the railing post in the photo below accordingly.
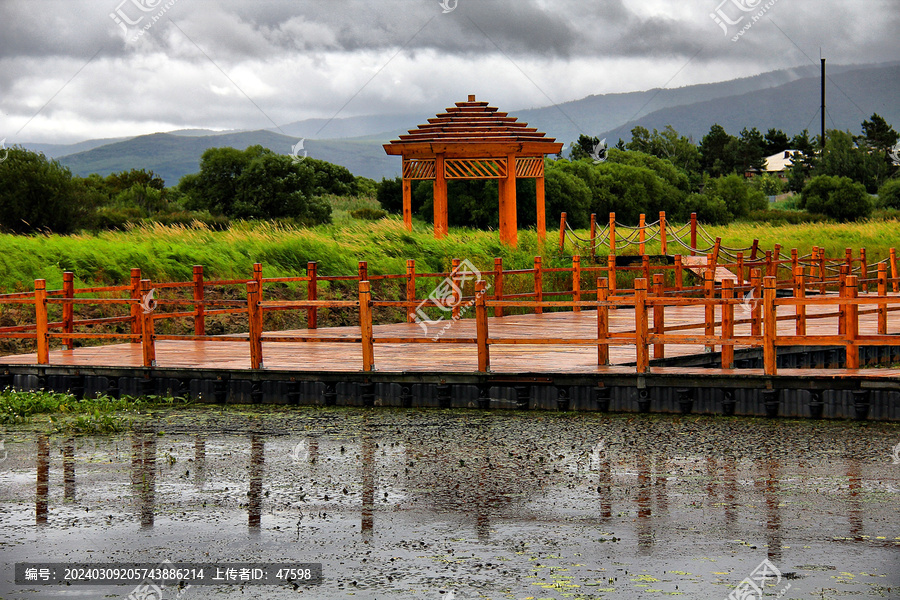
(148, 343)
(199, 295)
(136, 307)
(693, 234)
(754, 248)
(882, 291)
(593, 234)
(562, 231)
(679, 273)
(481, 328)
(770, 266)
(538, 284)
(645, 266)
(895, 282)
(457, 291)
(848, 258)
(716, 248)
(363, 272)
(611, 273)
(641, 327)
(709, 293)
(498, 285)
(770, 329)
(740, 269)
(312, 293)
(727, 324)
(756, 307)
(576, 281)
(823, 275)
(642, 224)
(255, 335)
(842, 292)
(800, 292)
(795, 260)
(602, 321)
(863, 271)
(776, 257)
(365, 325)
(612, 233)
(40, 320)
(68, 309)
(852, 323)
(659, 316)
(258, 278)
(410, 289)
(664, 247)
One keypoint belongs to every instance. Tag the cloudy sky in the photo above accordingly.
(77, 69)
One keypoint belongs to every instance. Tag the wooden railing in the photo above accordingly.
(812, 282)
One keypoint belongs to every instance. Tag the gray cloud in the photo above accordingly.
(196, 65)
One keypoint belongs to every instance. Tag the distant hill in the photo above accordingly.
(852, 97)
(172, 156)
(786, 99)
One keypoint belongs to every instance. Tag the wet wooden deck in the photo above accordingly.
(443, 357)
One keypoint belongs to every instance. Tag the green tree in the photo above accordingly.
(258, 183)
(739, 196)
(37, 193)
(841, 158)
(840, 198)
(889, 194)
(714, 159)
(584, 147)
(776, 141)
(878, 134)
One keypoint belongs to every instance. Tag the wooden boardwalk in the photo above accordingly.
(447, 356)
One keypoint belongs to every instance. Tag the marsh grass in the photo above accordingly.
(66, 413)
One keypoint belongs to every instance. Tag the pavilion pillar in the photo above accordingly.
(541, 209)
(440, 198)
(407, 204)
(508, 225)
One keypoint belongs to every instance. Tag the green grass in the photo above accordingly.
(167, 253)
(67, 413)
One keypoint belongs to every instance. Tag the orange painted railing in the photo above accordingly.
(650, 296)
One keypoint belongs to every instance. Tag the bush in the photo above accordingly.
(889, 194)
(784, 217)
(709, 209)
(740, 198)
(837, 197)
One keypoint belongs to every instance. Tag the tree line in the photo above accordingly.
(843, 177)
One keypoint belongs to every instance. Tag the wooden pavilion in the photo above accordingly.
(474, 141)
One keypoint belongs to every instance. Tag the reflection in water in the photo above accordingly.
(69, 469)
(773, 513)
(854, 514)
(313, 451)
(43, 479)
(143, 473)
(200, 461)
(368, 486)
(644, 511)
(731, 503)
(661, 467)
(257, 462)
(604, 486)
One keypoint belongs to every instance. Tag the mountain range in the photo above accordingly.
(786, 99)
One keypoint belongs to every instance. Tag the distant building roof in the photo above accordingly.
(778, 163)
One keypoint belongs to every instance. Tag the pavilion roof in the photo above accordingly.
(471, 128)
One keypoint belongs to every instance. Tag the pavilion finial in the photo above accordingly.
(471, 97)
